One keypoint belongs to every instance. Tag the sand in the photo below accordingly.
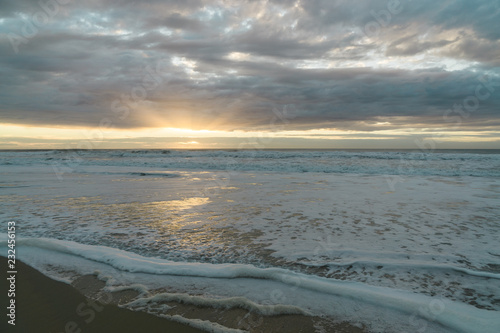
(45, 305)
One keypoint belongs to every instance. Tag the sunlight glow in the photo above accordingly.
(31, 137)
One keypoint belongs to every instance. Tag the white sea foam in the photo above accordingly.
(454, 315)
(204, 325)
(224, 303)
(407, 265)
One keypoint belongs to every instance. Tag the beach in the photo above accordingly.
(45, 305)
(250, 166)
(260, 241)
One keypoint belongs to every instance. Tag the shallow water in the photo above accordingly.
(376, 238)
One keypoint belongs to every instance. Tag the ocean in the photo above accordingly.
(387, 240)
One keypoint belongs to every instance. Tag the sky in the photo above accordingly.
(217, 74)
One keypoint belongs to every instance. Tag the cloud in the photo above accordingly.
(228, 64)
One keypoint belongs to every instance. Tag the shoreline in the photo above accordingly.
(47, 305)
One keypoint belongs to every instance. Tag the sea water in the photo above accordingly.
(392, 240)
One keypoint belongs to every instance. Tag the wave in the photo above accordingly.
(407, 266)
(354, 162)
(203, 325)
(155, 174)
(224, 303)
(456, 316)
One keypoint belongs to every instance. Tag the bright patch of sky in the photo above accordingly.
(241, 59)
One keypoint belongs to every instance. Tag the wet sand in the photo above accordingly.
(45, 305)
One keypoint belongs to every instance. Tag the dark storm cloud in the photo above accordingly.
(229, 64)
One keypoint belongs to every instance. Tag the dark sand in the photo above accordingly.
(44, 305)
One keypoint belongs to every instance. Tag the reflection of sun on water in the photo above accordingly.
(181, 204)
(175, 229)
